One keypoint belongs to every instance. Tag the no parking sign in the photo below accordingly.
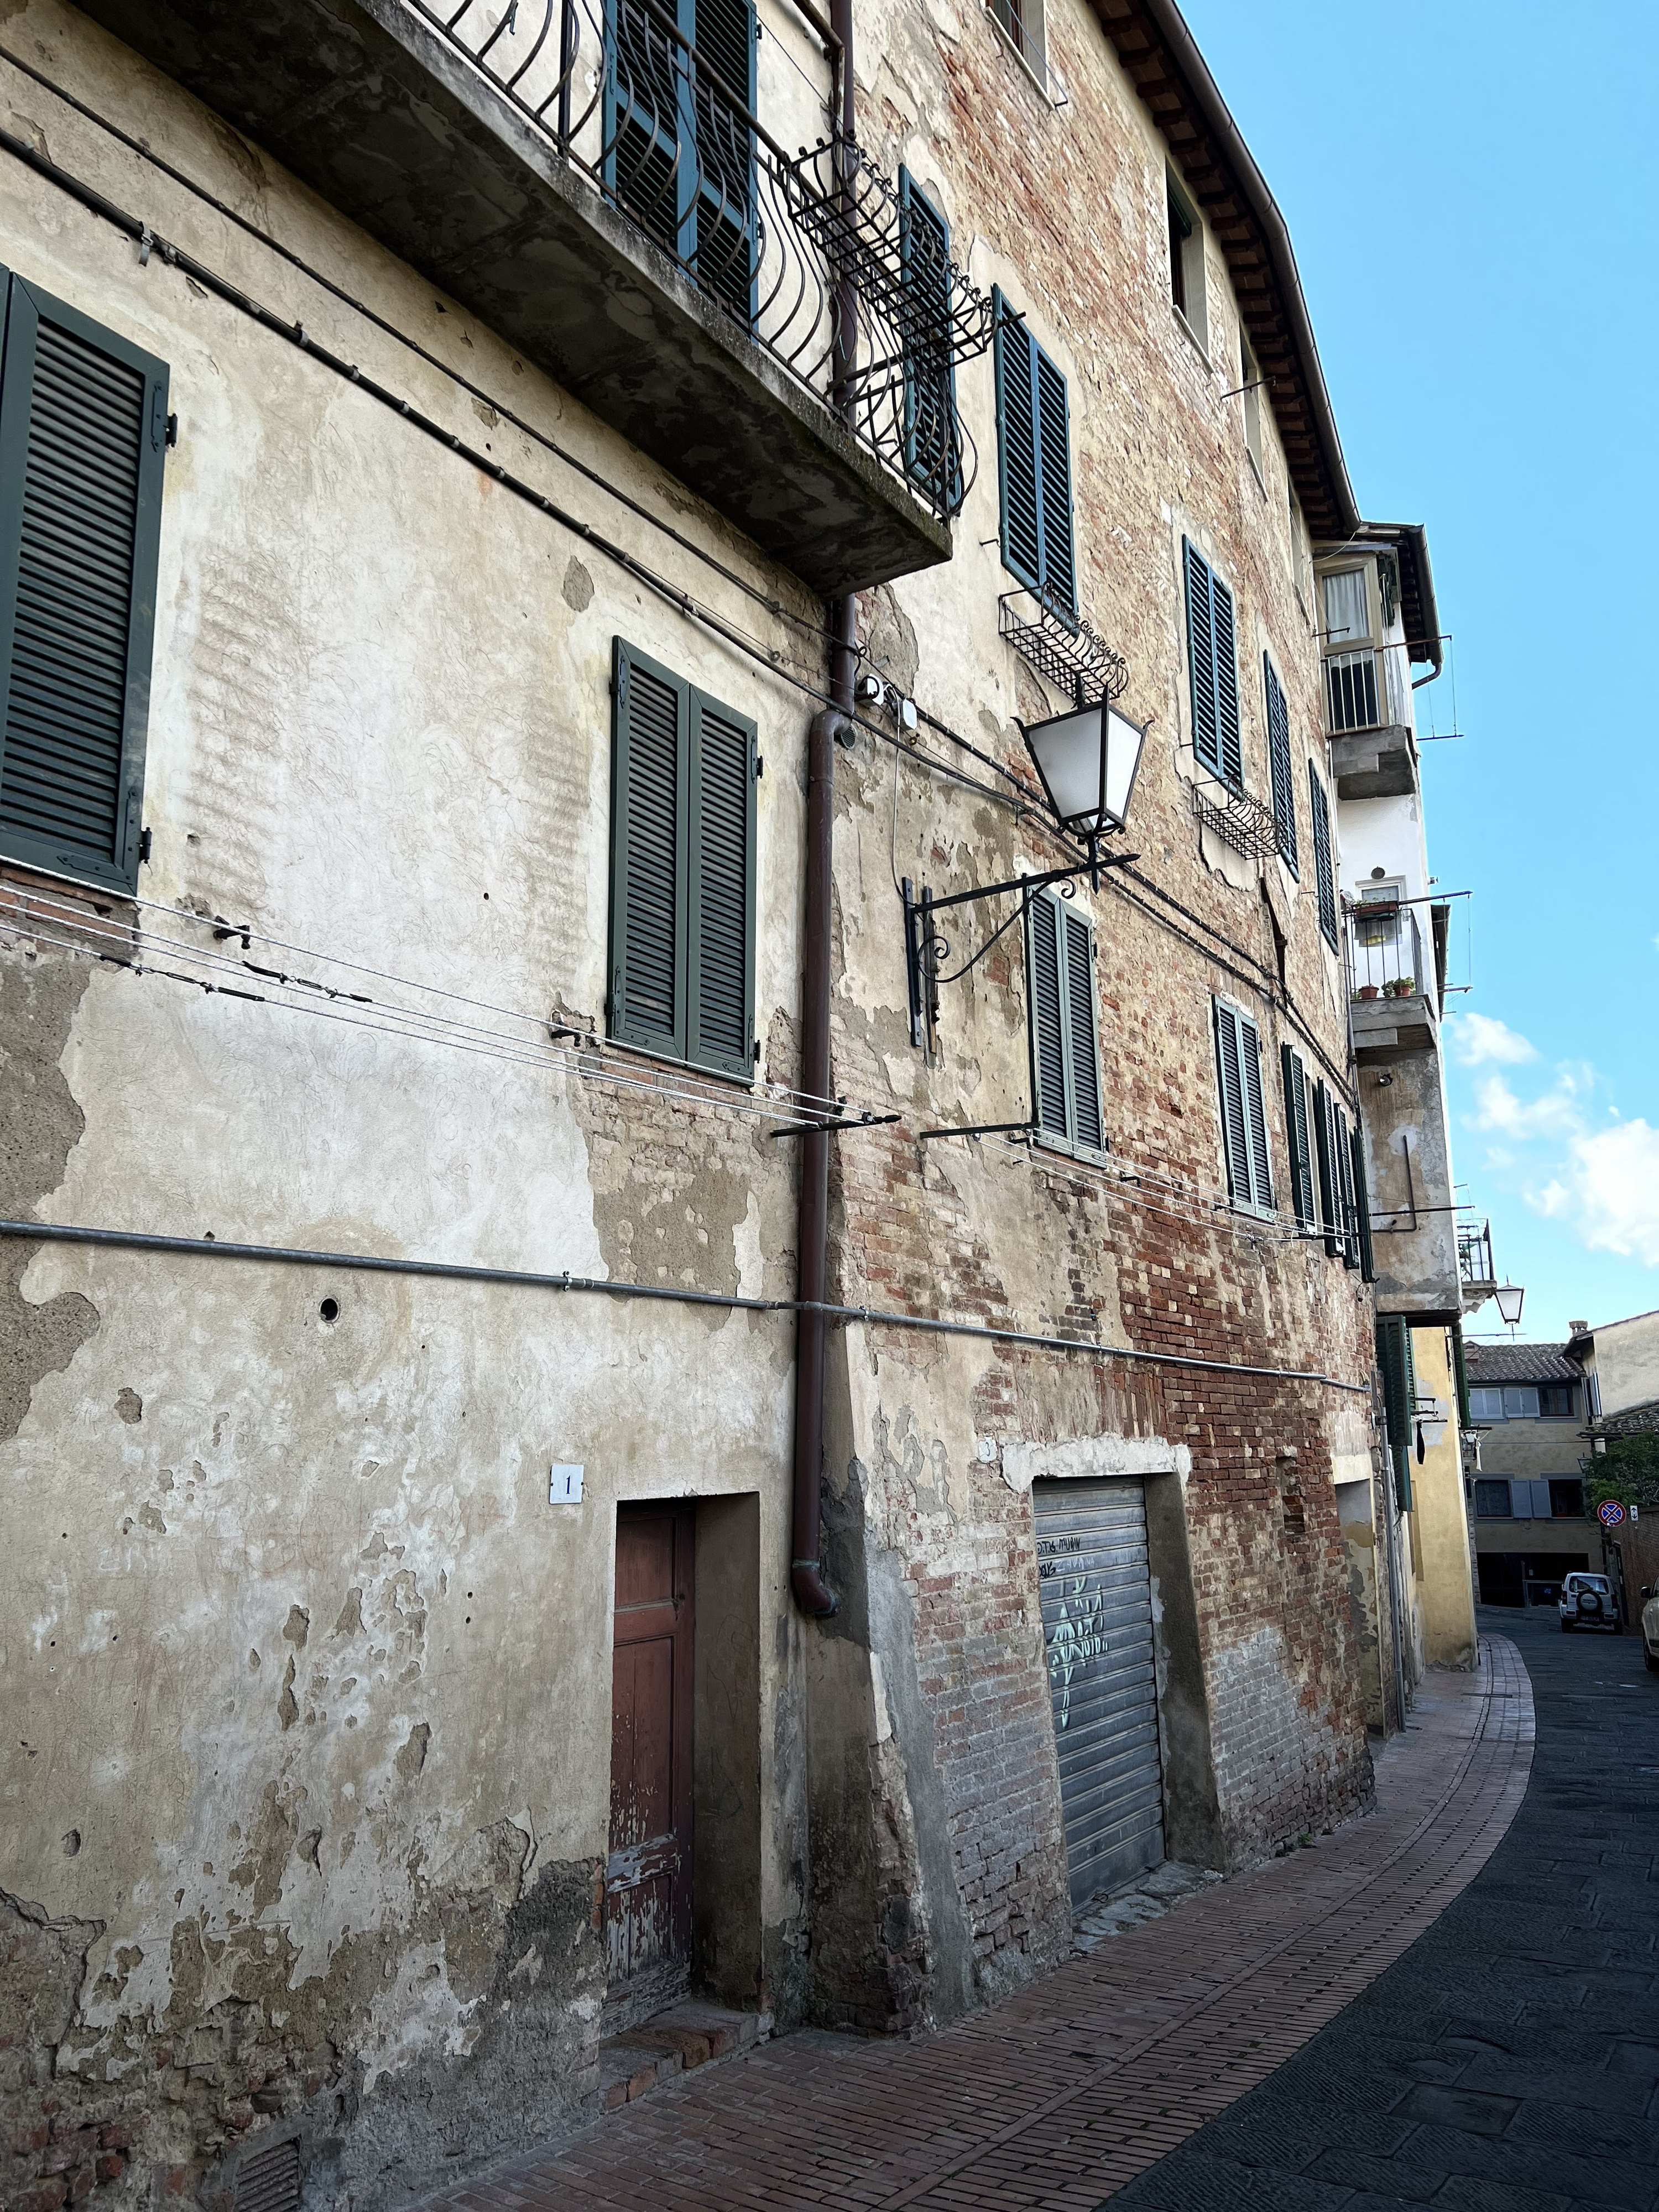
(1610, 1513)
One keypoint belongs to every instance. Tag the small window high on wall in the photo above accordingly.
(1244, 1114)
(1186, 263)
(1060, 967)
(1020, 23)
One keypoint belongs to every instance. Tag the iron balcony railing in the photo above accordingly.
(1474, 1262)
(1364, 690)
(814, 256)
(1385, 951)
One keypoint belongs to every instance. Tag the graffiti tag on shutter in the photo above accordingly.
(1075, 1638)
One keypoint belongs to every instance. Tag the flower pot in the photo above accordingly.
(1368, 991)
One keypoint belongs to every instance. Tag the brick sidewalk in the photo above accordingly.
(1055, 2099)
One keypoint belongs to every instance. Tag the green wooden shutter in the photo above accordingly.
(1326, 881)
(1342, 1152)
(1054, 485)
(1330, 1201)
(721, 901)
(1048, 1016)
(1235, 1057)
(1295, 1134)
(1249, 1062)
(1082, 1032)
(1212, 663)
(83, 441)
(1284, 778)
(650, 791)
(1461, 1373)
(1362, 1205)
(1017, 435)
(1394, 1360)
(1200, 658)
(931, 452)
(648, 164)
(723, 32)
(1226, 685)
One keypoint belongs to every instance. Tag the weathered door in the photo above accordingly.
(648, 1875)
(1097, 1636)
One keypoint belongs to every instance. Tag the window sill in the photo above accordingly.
(1192, 337)
(614, 1047)
(1085, 1155)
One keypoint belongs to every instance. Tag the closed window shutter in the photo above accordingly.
(1226, 685)
(931, 456)
(1296, 1133)
(1394, 1360)
(647, 872)
(1048, 1017)
(1083, 1044)
(645, 166)
(1284, 777)
(83, 442)
(1213, 660)
(1330, 1203)
(1017, 434)
(1325, 883)
(724, 34)
(1239, 1067)
(1250, 1060)
(1200, 659)
(1362, 1205)
(1033, 444)
(1342, 1153)
(1461, 1372)
(1054, 485)
(721, 983)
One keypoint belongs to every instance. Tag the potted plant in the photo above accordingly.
(1366, 991)
(1401, 988)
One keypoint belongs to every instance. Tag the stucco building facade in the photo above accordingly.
(580, 1422)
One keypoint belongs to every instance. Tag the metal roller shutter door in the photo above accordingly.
(1097, 1638)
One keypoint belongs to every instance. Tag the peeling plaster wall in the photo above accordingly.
(306, 1779)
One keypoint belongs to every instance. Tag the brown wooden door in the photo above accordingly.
(648, 1876)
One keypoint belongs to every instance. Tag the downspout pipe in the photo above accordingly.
(813, 1594)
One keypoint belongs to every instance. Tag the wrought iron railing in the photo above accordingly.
(1385, 951)
(812, 255)
(1364, 690)
(1065, 649)
(1474, 1261)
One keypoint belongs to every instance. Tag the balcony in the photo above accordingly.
(1474, 1264)
(1394, 1001)
(1368, 721)
(774, 329)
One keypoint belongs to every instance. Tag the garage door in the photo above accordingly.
(1097, 1637)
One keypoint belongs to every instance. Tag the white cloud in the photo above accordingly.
(1558, 1113)
(1481, 1038)
(1607, 1190)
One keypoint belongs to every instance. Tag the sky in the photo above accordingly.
(1470, 197)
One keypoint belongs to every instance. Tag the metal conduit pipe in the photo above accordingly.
(813, 1594)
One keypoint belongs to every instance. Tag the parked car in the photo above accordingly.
(1651, 1629)
(1587, 1601)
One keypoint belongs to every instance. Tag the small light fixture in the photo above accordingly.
(1510, 1296)
(1088, 760)
(1432, 1421)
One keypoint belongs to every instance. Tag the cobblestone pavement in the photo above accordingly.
(1509, 2063)
(1059, 2095)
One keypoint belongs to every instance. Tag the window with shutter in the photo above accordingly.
(679, 150)
(1325, 881)
(1342, 1162)
(1394, 1360)
(682, 870)
(1362, 1205)
(1213, 666)
(1284, 776)
(1296, 1136)
(931, 453)
(1035, 451)
(1243, 1113)
(83, 441)
(1065, 1089)
(1330, 1185)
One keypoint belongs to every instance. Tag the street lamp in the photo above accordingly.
(1087, 759)
(1510, 1296)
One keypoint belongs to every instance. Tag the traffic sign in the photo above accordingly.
(1610, 1513)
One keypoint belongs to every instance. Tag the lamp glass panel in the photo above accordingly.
(1123, 745)
(1510, 1296)
(1068, 753)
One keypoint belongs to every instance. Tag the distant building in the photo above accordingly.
(1529, 1404)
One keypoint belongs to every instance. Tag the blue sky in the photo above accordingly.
(1471, 207)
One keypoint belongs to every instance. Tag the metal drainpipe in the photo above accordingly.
(813, 1594)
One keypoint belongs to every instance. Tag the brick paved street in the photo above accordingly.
(1058, 2097)
(1511, 2062)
